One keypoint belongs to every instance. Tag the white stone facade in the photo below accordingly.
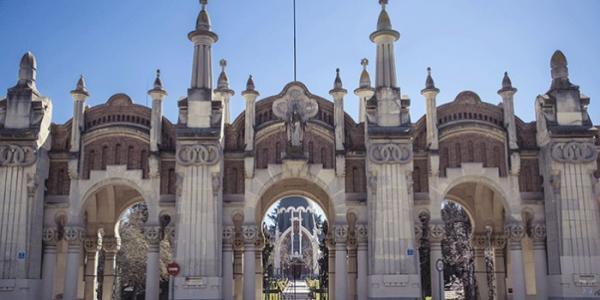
(531, 190)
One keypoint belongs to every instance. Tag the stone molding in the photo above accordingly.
(390, 153)
(17, 155)
(198, 154)
(574, 152)
(50, 236)
(437, 232)
(152, 235)
(74, 235)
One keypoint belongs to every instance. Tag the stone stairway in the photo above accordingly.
(300, 292)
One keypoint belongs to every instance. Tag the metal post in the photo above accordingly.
(439, 266)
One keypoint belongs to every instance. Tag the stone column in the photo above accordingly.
(330, 243)
(437, 231)
(91, 247)
(361, 262)
(111, 246)
(228, 234)
(73, 236)
(250, 234)
(259, 246)
(50, 239)
(341, 236)
(153, 238)
(538, 235)
(479, 244)
(499, 243)
(514, 232)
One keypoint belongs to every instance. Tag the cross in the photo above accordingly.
(383, 3)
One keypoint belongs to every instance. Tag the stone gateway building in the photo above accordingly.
(531, 190)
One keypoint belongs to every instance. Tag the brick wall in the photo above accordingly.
(472, 147)
(115, 151)
(356, 181)
(58, 182)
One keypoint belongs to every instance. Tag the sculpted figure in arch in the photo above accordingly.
(295, 127)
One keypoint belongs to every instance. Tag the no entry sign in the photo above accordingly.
(173, 269)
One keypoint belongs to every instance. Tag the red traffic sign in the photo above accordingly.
(173, 269)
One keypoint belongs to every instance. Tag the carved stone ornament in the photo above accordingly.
(50, 236)
(390, 153)
(111, 244)
(538, 232)
(340, 233)
(249, 234)
(514, 232)
(574, 152)
(479, 241)
(216, 184)
(499, 241)
(362, 233)
(170, 233)
(202, 154)
(90, 244)
(228, 234)
(74, 235)
(152, 234)
(436, 232)
(418, 231)
(306, 107)
(16, 155)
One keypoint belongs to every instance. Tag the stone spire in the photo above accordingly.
(558, 63)
(223, 91)
(28, 71)
(506, 85)
(200, 92)
(364, 91)
(157, 94)
(365, 78)
(429, 83)
(250, 88)
(337, 83)
(384, 37)
(158, 89)
(250, 95)
(338, 93)
(80, 88)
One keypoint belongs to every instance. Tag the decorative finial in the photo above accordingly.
(365, 79)
(157, 82)
(28, 69)
(203, 21)
(506, 85)
(338, 81)
(80, 87)
(223, 64)
(223, 82)
(250, 84)
(429, 83)
(559, 66)
(203, 3)
(383, 3)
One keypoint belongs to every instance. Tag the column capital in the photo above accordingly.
(537, 232)
(50, 236)
(111, 244)
(479, 241)
(152, 234)
(74, 235)
(92, 244)
(362, 233)
(514, 231)
(228, 234)
(437, 232)
(340, 234)
(249, 234)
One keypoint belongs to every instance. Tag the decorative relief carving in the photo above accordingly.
(249, 234)
(74, 235)
(111, 244)
(50, 236)
(499, 241)
(340, 233)
(91, 245)
(362, 233)
(390, 153)
(16, 155)
(203, 154)
(437, 232)
(418, 231)
(216, 184)
(152, 235)
(514, 232)
(574, 152)
(295, 100)
(228, 234)
(537, 232)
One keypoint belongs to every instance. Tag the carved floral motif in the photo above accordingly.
(152, 234)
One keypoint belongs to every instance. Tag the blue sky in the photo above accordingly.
(118, 45)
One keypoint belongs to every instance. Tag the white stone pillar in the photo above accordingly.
(153, 238)
(538, 234)
(430, 93)
(91, 268)
(515, 232)
(73, 236)
(478, 243)
(259, 246)
(50, 239)
(499, 269)
(341, 236)
(361, 262)
(437, 232)
(352, 267)
(238, 273)
(331, 265)
(157, 94)
(249, 262)
(79, 94)
(110, 245)
(228, 233)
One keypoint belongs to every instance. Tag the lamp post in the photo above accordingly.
(439, 266)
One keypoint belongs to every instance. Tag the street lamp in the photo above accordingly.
(439, 266)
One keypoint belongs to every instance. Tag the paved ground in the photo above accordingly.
(301, 291)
